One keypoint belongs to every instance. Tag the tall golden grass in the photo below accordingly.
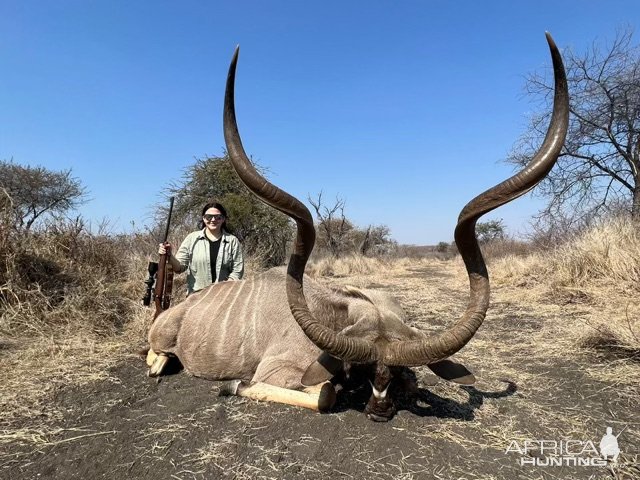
(607, 253)
(65, 278)
(599, 266)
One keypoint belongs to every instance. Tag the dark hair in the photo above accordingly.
(217, 206)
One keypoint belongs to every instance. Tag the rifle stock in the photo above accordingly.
(162, 298)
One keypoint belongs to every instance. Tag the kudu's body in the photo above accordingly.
(245, 330)
(225, 333)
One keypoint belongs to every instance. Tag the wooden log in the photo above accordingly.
(320, 398)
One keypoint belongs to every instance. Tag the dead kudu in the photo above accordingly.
(285, 343)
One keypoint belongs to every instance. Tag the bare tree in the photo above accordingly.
(337, 235)
(36, 192)
(333, 227)
(598, 170)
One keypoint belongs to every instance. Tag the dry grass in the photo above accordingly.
(68, 278)
(69, 304)
(506, 247)
(355, 266)
(546, 308)
(600, 267)
(345, 266)
(36, 369)
(609, 253)
(70, 309)
(536, 333)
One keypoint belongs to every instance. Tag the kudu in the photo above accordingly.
(271, 330)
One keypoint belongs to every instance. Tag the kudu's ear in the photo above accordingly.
(353, 292)
(452, 371)
(323, 369)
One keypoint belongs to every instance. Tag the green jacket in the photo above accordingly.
(194, 256)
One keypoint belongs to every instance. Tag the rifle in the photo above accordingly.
(161, 274)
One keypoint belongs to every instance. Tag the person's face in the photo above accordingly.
(213, 219)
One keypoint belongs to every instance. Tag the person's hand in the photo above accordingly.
(164, 249)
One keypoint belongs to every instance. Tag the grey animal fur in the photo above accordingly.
(245, 329)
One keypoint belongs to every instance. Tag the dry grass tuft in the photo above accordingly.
(70, 307)
(613, 339)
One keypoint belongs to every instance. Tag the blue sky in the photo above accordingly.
(404, 109)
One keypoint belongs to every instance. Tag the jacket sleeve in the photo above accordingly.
(238, 262)
(183, 255)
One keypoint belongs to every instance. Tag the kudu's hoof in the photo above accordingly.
(230, 388)
(150, 357)
(158, 365)
(327, 397)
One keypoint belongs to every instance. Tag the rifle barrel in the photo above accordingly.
(166, 231)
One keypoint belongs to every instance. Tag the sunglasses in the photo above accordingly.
(210, 216)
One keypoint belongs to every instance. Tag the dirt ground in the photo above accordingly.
(533, 384)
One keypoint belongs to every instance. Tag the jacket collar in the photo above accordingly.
(225, 235)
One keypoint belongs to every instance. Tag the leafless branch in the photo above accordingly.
(600, 163)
